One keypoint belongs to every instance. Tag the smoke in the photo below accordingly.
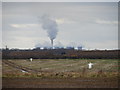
(48, 45)
(72, 44)
(75, 44)
(44, 44)
(59, 44)
(50, 26)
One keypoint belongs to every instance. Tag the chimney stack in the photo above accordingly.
(52, 43)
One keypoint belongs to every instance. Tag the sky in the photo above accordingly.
(60, 0)
(0, 24)
(93, 25)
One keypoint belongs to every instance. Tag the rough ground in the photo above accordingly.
(60, 83)
(32, 78)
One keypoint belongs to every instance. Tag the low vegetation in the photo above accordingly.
(60, 54)
(61, 68)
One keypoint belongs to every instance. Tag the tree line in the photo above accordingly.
(60, 54)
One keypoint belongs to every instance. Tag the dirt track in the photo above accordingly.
(59, 83)
(19, 67)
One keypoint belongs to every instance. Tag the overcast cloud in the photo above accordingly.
(93, 25)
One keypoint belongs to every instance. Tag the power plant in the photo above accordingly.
(50, 26)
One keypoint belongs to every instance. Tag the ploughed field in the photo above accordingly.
(60, 73)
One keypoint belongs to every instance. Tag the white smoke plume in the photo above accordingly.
(44, 44)
(59, 44)
(50, 26)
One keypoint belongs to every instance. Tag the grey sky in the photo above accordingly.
(93, 25)
(60, 0)
(0, 24)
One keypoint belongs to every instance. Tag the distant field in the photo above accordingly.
(78, 66)
(60, 73)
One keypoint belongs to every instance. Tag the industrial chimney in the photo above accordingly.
(50, 26)
(52, 43)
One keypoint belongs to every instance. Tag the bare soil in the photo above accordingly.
(60, 83)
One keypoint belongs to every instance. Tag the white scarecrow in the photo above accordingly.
(23, 71)
(31, 59)
(90, 65)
